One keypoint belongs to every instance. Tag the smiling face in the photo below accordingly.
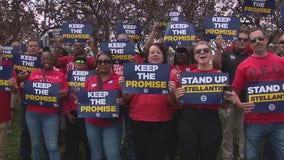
(155, 55)
(202, 54)
(47, 60)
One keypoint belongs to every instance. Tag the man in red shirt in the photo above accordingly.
(261, 66)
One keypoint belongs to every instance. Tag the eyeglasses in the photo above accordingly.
(281, 42)
(204, 50)
(242, 39)
(123, 40)
(104, 62)
(79, 61)
(259, 38)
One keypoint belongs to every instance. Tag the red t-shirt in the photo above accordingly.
(67, 62)
(5, 107)
(175, 75)
(51, 76)
(204, 106)
(92, 84)
(260, 69)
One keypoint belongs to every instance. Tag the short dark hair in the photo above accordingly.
(257, 29)
(162, 48)
(32, 40)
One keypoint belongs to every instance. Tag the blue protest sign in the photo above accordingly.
(179, 34)
(8, 55)
(76, 78)
(267, 96)
(5, 74)
(228, 27)
(176, 16)
(203, 88)
(263, 7)
(42, 93)
(54, 34)
(172, 16)
(120, 51)
(98, 104)
(24, 62)
(132, 30)
(146, 78)
(76, 32)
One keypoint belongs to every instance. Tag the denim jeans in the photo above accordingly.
(104, 141)
(254, 136)
(46, 125)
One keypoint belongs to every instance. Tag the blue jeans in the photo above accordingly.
(254, 136)
(104, 141)
(46, 125)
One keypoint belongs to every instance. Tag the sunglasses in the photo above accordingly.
(104, 62)
(79, 61)
(259, 38)
(123, 40)
(281, 42)
(242, 39)
(204, 50)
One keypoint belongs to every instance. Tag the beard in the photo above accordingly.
(259, 48)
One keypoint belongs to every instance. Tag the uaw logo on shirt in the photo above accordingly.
(232, 57)
(110, 82)
(187, 69)
(94, 85)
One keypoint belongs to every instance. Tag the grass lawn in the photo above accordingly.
(14, 138)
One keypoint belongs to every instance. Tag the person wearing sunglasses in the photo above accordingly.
(232, 118)
(104, 134)
(75, 131)
(67, 62)
(280, 46)
(260, 67)
(200, 130)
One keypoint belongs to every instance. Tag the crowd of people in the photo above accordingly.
(157, 127)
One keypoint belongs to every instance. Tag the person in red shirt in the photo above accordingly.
(25, 140)
(151, 114)
(182, 63)
(260, 67)
(199, 130)
(5, 110)
(75, 131)
(43, 121)
(67, 62)
(104, 134)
